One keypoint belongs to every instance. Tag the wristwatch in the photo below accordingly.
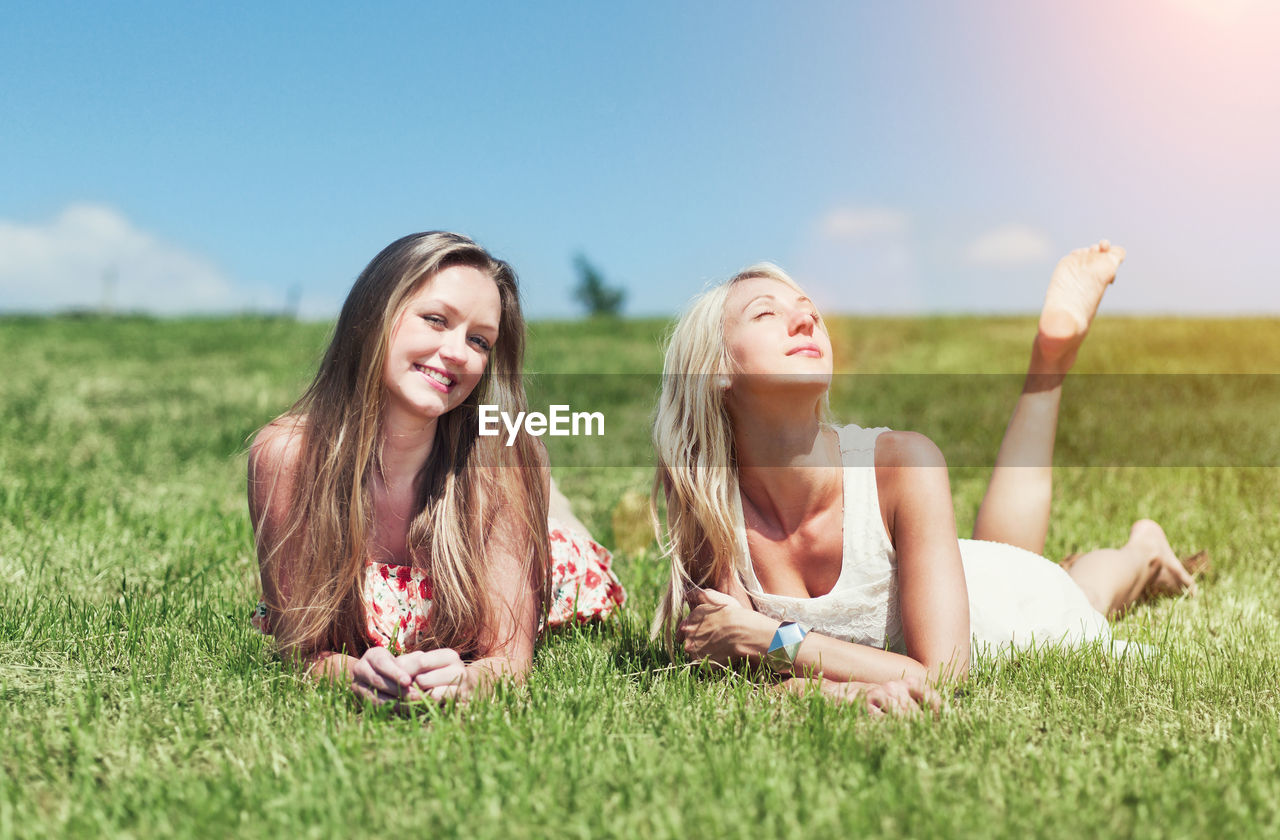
(785, 646)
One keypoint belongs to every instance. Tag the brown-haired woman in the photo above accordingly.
(400, 551)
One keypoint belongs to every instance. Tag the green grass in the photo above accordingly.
(136, 701)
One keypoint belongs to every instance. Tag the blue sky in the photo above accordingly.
(894, 157)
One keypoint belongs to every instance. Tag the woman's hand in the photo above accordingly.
(896, 697)
(380, 677)
(720, 629)
(440, 674)
(900, 698)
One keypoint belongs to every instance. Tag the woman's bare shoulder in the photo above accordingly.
(274, 458)
(907, 490)
(277, 450)
(907, 449)
(278, 445)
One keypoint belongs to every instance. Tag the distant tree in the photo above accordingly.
(600, 299)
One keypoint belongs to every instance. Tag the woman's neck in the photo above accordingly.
(404, 448)
(785, 464)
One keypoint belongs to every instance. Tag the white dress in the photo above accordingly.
(1016, 598)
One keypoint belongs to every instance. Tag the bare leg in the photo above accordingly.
(1115, 578)
(560, 511)
(1015, 509)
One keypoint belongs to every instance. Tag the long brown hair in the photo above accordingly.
(467, 481)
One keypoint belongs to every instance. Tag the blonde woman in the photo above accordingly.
(401, 553)
(853, 578)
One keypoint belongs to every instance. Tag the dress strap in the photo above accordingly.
(742, 553)
(864, 533)
(858, 445)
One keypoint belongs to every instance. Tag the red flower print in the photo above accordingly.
(424, 589)
(591, 581)
(402, 577)
(385, 571)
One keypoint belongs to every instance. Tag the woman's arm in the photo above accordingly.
(897, 697)
(723, 629)
(507, 645)
(915, 500)
(273, 465)
(273, 468)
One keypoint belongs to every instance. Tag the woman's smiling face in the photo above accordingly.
(441, 341)
(774, 337)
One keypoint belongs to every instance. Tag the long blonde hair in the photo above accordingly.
(466, 481)
(697, 471)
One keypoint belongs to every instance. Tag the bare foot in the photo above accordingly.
(1072, 300)
(1168, 575)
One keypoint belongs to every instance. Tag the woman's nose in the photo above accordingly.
(454, 347)
(801, 322)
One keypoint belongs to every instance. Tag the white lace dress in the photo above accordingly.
(1016, 598)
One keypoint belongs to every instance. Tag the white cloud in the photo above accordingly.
(91, 254)
(853, 223)
(860, 259)
(1009, 245)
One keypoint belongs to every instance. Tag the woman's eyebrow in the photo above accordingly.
(764, 296)
(453, 312)
(437, 303)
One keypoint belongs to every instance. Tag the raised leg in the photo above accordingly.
(1015, 509)
(1115, 578)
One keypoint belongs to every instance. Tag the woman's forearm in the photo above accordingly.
(486, 672)
(831, 658)
(828, 688)
(328, 665)
(904, 697)
(722, 629)
(848, 662)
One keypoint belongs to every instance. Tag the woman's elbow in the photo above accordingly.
(948, 669)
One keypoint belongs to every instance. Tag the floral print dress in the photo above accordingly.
(583, 588)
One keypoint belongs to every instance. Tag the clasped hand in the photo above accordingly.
(720, 629)
(437, 675)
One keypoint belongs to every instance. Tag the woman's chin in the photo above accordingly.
(790, 385)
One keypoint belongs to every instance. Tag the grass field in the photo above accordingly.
(136, 701)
